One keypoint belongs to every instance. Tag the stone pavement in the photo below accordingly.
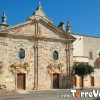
(60, 94)
(47, 95)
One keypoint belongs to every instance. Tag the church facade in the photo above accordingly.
(35, 54)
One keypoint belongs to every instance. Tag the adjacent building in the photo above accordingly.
(87, 50)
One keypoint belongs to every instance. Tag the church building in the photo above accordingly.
(36, 54)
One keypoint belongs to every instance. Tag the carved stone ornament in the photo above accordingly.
(55, 68)
(19, 68)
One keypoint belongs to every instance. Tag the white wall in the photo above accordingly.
(78, 45)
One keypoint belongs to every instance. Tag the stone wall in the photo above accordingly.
(46, 50)
(46, 39)
(18, 37)
(78, 45)
(91, 44)
(9, 55)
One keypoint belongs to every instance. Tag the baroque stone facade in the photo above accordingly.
(46, 55)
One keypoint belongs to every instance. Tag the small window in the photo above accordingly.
(90, 55)
(21, 53)
(55, 55)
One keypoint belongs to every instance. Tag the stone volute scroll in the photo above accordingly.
(55, 68)
(19, 68)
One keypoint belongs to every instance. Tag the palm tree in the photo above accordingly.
(82, 70)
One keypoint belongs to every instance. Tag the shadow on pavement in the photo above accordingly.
(97, 98)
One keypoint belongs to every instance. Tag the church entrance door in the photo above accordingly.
(21, 81)
(55, 81)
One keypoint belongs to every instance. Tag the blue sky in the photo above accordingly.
(84, 15)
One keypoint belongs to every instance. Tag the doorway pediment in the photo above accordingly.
(55, 68)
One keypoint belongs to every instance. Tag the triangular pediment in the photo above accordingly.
(40, 26)
(45, 30)
(50, 31)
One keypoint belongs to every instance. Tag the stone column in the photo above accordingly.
(68, 63)
(36, 58)
(71, 65)
(35, 66)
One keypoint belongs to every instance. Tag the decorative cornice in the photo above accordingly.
(15, 26)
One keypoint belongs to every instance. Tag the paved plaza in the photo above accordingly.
(48, 95)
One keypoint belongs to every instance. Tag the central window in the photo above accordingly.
(21, 53)
(55, 55)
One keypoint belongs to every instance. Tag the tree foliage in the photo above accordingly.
(82, 69)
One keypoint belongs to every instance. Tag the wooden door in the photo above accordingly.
(20, 81)
(55, 81)
(80, 82)
(75, 81)
(92, 81)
